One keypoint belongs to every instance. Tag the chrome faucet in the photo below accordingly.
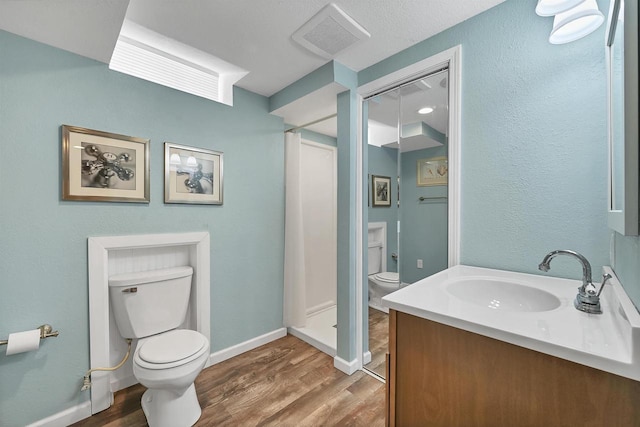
(588, 299)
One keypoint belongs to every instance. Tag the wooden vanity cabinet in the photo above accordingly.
(439, 375)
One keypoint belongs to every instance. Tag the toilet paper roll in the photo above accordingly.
(19, 342)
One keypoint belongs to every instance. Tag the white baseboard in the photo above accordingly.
(366, 357)
(344, 366)
(123, 383)
(228, 353)
(66, 417)
(82, 411)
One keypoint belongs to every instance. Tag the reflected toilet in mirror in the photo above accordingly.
(381, 281)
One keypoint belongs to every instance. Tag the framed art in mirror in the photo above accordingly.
(622, 100)
(104, 167)
(381, 188)
(433, 171)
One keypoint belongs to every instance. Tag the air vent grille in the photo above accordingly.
(148, 55)
(146, 64)
(330, 36)
(330, 32)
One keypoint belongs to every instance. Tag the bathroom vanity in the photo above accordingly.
(499, 359)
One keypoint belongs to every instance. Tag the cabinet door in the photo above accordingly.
(448, 377)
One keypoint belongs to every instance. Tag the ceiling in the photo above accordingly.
(252, 34)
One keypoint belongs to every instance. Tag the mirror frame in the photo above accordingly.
(452, 56)
(626, 220)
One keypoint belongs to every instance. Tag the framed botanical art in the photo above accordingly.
(381, 189)
(100, 166)
(433, 171)
(192, 175)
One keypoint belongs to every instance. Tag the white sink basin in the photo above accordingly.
(502, 295)
(531, 311)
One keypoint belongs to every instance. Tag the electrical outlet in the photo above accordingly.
(419, 263)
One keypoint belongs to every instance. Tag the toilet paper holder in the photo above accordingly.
(46, 331)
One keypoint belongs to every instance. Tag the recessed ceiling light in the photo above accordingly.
(425, 110)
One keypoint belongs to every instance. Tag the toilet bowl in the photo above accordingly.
(386, 280)
(381, 282)
(150, 306)
(168, 364)
(380, 285)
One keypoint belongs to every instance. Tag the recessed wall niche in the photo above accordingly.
(128, 254)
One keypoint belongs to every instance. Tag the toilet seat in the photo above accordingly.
(388, 277)
(171, 349)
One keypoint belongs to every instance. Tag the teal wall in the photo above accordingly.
(384, 161)
(533, 180)
(346, 266)
(43, 247)
(533, 139)
(423, 225)
(318, 137)
(333, 73)
(626, 264)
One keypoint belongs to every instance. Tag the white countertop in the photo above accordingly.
(608, 341)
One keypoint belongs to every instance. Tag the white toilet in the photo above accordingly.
(149, 306)
(381, 283)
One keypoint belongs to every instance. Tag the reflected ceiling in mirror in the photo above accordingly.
(419, 130)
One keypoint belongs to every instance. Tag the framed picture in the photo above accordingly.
(192, 175)
(381, 188)
(104, 167)
(433, 171)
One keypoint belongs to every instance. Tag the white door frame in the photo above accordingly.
(452, 58)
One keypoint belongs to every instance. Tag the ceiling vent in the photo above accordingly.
(330, 32)
(151, 56)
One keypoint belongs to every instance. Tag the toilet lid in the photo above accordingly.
(388, 276)
(172, 346)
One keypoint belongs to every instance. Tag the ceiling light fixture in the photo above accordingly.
(553, 7)
(573, 19)
(576, 23)
(425, 110)
(192, 162)
(175, 159)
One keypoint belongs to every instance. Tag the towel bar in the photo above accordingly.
(422, 199)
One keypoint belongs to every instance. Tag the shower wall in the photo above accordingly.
(319, 207)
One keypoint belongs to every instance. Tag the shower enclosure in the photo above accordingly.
(315, 318)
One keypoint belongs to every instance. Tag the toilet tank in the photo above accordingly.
(375, 258)
(150, 302)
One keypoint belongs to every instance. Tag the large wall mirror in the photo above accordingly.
(408, 169)
(622, 96)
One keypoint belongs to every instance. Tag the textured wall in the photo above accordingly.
(384, 161)
(43, 248)
(626, 264)
(423, 225)
(533, 139)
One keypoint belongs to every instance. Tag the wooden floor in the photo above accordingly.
(284, 383)
(378, 341)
